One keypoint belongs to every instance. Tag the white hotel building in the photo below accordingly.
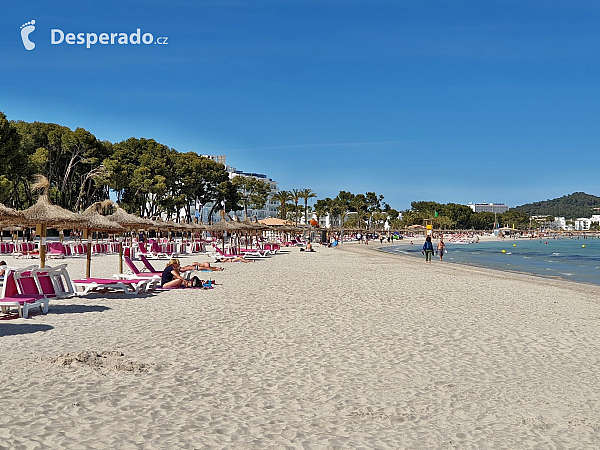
(496, 208)
(270, 209)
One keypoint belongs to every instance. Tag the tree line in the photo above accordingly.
(148, 177)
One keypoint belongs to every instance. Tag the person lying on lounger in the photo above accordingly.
(234, 259)
(204, 266)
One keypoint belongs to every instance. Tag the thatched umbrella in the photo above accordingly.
(97, 222)
(44, 215)
(130, 222)
(224, 226)
(8, 216)
(254, 228)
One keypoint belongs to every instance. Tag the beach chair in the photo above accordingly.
(54, 282)
(131, 286)
(148, 265)
(246, 252)
(139, 273)
(271, 247)
(56, 250)
(222, 254)
(20, 290)
(150, 254)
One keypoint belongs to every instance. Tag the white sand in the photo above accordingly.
(344, 348)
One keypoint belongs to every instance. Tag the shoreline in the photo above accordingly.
(496, 273)
(556, 278)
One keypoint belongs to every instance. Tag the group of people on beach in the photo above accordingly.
(171, 276)
(428, 249)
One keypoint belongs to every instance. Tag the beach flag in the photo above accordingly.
(435, 214)
(223, 204)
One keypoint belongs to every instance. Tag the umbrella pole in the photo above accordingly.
(41, 231)
(88, 236)
(120, 254)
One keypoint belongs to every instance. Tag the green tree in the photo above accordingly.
(295, 194)
(282, 197)
(254, 192)
(358, 203)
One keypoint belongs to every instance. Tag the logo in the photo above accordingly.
(26, 30)
(58, 36)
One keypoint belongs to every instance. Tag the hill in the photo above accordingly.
(578, 204)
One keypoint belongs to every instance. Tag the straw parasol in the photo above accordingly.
(97, 222)
(224, 225)
(130, 222)
(44, 215)
(8, 216)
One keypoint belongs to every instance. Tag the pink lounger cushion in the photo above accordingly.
(20, 298)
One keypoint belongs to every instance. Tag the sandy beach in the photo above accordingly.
(343, 348)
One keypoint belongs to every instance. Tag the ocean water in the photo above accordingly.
(552, 258)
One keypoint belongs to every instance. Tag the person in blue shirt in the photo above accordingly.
(171, 277)
(427, 249)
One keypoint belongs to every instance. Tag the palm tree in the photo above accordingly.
(282, 197)
(295, 198)
(306, 194)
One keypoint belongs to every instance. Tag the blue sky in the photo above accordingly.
(450, 101)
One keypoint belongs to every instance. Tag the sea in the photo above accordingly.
(574, 259)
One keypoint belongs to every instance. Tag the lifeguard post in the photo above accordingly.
(428, 227)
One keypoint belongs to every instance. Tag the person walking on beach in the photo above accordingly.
(427, 249)
(441, 247)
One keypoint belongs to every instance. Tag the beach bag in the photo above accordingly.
(196, 282)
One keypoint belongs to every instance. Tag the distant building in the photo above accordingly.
(332, 221)
(582, 224)
(216, 158)
(270, 209)
(559, 223)
(497, 208)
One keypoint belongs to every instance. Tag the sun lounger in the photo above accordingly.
(245, 252)
(271, 247)
(54, 282)
(225, 255)
(150, 254)
(137, 271)
(132, 286)
(56, 250)
(21, 291)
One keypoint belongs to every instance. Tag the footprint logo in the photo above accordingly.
(26, 30)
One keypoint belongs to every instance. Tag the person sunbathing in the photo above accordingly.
(2, 269)
(234, 259)
(171, 277)
(205, 266)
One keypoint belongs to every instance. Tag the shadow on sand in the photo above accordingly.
(25, 328)
(56, 308)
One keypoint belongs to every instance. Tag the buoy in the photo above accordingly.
(503, 251)
(583, 245)
(546, 242)
(514, 245)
